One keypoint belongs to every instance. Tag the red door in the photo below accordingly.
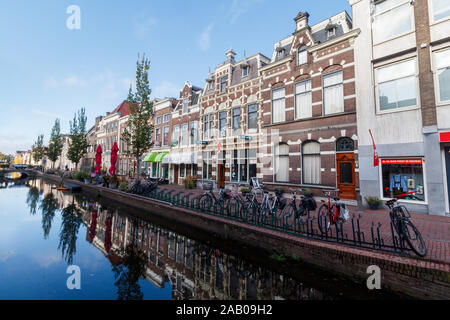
(175, 174)
(345, 169)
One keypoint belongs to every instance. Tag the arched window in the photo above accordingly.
(311, 162)
(281, 168)
(345, 145)
(302, 55)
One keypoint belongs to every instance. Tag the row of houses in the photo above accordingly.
(301, 117)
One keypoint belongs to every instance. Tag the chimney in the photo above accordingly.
(230, 55)
(301, 21)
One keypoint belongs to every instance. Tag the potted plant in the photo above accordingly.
(373, 202)
(114, 182)
(79, 176)
(190, 182)
(245, 191)
(124, 186)
(87, 178)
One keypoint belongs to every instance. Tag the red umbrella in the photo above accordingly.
(98, 160)
(93, 227)
(114, 150)
(108, 242)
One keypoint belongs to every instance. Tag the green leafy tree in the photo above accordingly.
(138, 131)
(55, 144)
(78, 141)
(38, 149)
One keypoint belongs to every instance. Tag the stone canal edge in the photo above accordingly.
(411, 276)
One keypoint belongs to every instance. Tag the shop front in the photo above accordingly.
(404, 179)
(180, 165)
(444, 138)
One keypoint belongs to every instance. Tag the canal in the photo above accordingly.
(125, 254)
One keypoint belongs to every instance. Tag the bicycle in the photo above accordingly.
(331, 213)
(208, 200)
(406, 230)
(307, 204)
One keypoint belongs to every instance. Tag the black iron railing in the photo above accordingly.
(377, 239)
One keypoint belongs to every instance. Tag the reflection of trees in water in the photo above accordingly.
(70, 225)
(48, 206)
(33, 199)
(127, 273)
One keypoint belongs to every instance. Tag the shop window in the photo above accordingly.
(281, 167)
(311, 163)
(403, 179)
(397, 85)
(243, 165)
(182, 170)
(207, 165)
(400, 11)
(345, 145)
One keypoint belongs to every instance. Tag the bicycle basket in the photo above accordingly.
(207, 185)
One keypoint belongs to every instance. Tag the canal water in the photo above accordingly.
(124, 254)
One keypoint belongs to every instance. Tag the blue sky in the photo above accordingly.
(49, 71)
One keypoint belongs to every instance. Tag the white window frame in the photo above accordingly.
(168, 133)
(425, 184)
(252, 130)
(193, 126)
(330, 86)
(185, 108)
(272, 103)
(245, 69)
(411, 8)
(300, 50)
(297, 117)
(431, 16)
(174, 137)
(223, 82)
(377, 93)
(164, 118)
(184, 134)
(439, 102)
(158, 120)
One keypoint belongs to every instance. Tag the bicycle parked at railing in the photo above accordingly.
(406, 230)
(209, 202)
(292, 212)
(331, 213)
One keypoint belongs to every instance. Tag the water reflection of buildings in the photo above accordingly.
(195, 271)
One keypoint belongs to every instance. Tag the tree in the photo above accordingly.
(138, 131)
(78, 141)
(55, 144)
(38, 149)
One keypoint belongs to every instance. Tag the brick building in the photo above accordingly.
(309, 108)
(230, 121)
(403, 96)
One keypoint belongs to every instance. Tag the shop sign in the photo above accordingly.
(402, 161)
(444, 136)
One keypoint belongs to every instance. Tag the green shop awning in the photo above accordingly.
(160, 156)
(151, 157)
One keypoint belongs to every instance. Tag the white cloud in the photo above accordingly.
(143, 26)
(204, 40)
(71, 81)
(166, 89)
(240, 7)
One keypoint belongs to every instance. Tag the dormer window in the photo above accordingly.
(280, 53)
(210, 85)
(302, 55)
(331, 32)
(245, 71)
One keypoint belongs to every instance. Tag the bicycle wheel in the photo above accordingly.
(205, 203)
(414, 238)
(287, 216)
(323, 218)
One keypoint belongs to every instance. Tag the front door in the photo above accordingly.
(345, 169)
(220, 175)
(447, 165)
(175, 174)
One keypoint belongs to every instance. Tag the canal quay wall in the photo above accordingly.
(411, 276)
